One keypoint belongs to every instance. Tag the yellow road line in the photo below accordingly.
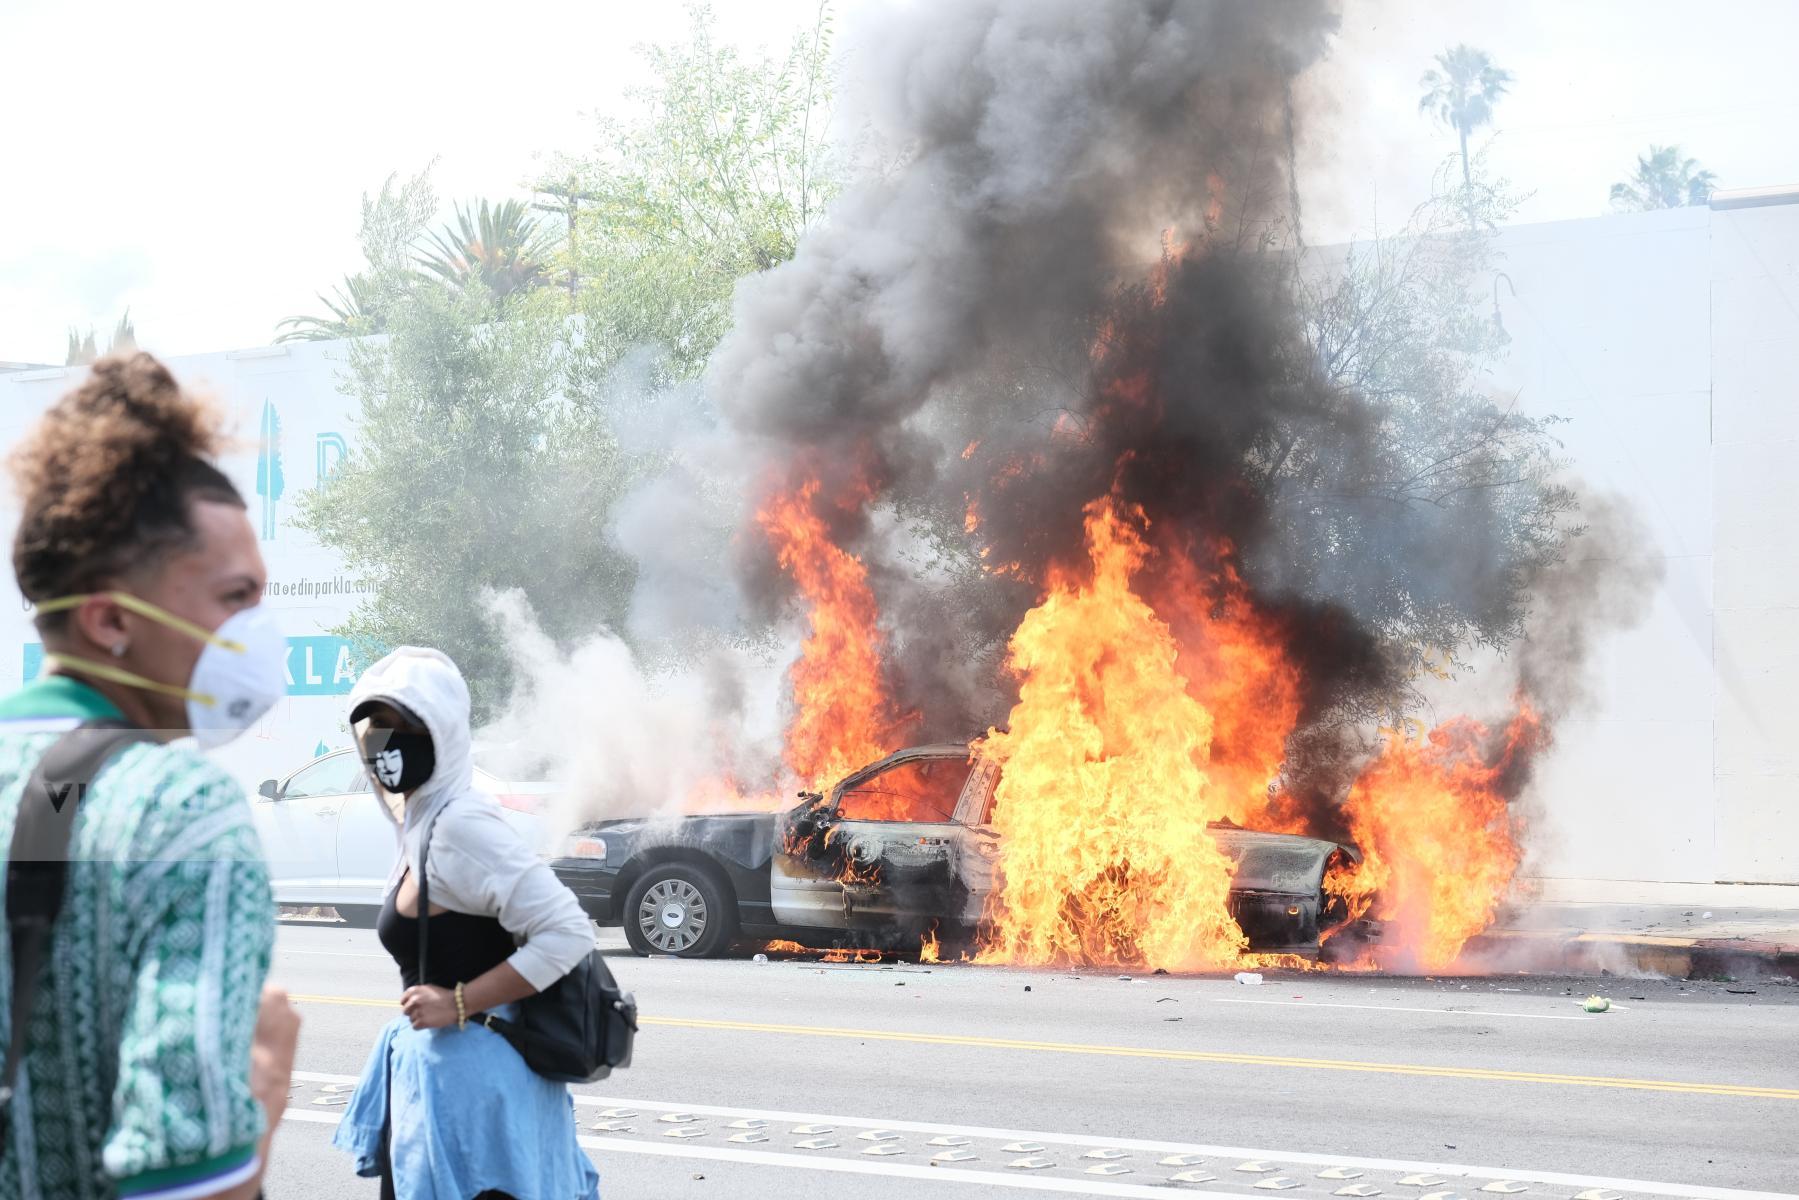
(1207, 1056)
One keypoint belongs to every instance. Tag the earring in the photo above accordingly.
(118, 649)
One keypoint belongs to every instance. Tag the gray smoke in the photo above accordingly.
(623, 738)
(1079, 280)
(1049, 142)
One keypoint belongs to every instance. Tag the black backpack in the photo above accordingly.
(37, 869)
(578, 1030)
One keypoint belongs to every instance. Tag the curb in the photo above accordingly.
(1676, 957)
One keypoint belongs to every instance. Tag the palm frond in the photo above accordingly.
(501, 246)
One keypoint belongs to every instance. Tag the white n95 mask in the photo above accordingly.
(241, 671)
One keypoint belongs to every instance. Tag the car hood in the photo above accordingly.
(693, 823)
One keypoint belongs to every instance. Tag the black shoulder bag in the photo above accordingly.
(578, 1030)
(37, 869)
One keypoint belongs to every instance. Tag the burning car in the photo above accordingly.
(900, 850)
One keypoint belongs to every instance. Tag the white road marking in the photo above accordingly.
(1446, 1012)
(1034, 1183)
(850, 1166)
(306, 1114)
(1401, 1166)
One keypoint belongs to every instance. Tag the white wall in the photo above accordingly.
(1755, 463)
(1609, 332)
(1669, 341)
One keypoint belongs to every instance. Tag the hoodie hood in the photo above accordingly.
(428, 684)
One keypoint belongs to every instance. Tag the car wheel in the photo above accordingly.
(679, 909)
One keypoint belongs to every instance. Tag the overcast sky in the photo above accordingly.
(202, 162)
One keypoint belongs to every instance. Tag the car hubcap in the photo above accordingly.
(672, 916)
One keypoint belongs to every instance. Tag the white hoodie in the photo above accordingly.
(478, 863)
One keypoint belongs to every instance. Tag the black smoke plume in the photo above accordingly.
(1080, 282)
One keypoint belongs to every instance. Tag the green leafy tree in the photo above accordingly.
(1460, 91)
(1407, 326)
(462, 477)
(724, 167)
(485, 456)
(1664, 178)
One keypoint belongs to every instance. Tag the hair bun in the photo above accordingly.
(102, 462)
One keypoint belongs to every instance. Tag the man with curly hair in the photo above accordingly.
(149, 1061)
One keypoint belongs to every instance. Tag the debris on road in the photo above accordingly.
(1249, 978)
(1596, 1004)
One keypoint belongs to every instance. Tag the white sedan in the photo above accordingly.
(329, 842)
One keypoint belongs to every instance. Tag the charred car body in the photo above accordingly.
(898, 850)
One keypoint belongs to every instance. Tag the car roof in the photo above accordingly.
(319, 758)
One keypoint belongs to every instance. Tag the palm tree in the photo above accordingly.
(1663, 179)
(353, 313)
(83, 351)
(1460, 91)
(501, 245)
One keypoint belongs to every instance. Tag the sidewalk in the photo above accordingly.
(1680, 941)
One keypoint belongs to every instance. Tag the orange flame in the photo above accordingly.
(930, 950)
(843, 718)
(1440, 841)
(1238, 669)
(1103, 804)
(783, 946)
(719, 794)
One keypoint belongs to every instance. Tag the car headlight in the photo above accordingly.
(582, 845)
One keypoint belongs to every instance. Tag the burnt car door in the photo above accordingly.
(979, 852)
(882, 851)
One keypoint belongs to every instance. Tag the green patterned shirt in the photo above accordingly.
(136, 1082)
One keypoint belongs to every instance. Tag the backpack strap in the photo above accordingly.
(37, 867)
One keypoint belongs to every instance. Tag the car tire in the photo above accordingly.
(680, 909)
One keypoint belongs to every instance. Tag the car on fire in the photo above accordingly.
(899, 850)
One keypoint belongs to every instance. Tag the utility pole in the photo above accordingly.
(570, 196)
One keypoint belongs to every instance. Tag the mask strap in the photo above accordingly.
(144, 608)
(129, 678)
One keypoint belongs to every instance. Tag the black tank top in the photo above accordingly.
(462, 946)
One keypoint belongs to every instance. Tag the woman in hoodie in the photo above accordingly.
(446, 1109)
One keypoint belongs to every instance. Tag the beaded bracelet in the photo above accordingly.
(461, 1009)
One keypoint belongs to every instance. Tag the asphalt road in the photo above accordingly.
(758, 1080)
